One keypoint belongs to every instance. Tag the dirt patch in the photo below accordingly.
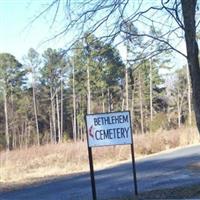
(195, 166)
(189, 192)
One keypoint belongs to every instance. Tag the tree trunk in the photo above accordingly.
(126, 83)
(103, 102)
(82, 138)
(123, 100)
(12, 128)
(74, 107)
(58, 117)
(53, 115)
(26, 133)
(14, 142)
(132, 106)
(189, 10)
(88, 90)
(78, 131)
(151, 93)
(6, 120)
(189, 98)
(109, 100)
(179, 109)
(51, 128)
(126, 76)
(141, 105)
(35, 109)
(61, 110)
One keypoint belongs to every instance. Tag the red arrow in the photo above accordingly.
(90, 131)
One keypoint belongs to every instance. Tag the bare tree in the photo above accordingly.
(106, 18)
(189, 8)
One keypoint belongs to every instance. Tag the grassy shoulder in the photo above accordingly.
(25, 166)
(189, 192)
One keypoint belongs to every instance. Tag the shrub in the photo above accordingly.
(159, 121)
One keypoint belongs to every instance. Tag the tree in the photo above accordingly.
(106, 67)
(51, 79)
(189, 11)
(147, 88)
(96, 14)
(11, 77)
(33, 61)
(180, 93)
(148, 69)
(189, 97)
(106, 71)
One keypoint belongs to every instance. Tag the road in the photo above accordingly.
(164, 170)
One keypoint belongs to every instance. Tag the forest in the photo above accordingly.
(45, 98)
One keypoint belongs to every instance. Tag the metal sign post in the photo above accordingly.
(92, 174)
(133, 161)
(105, 129)
(91, 166)
(134, 170)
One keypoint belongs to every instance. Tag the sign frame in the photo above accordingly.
(113, 131)
(91, 157)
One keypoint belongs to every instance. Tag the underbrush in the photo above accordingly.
(163, 140)
(28, 165)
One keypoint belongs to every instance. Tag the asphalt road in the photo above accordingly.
(164, 170)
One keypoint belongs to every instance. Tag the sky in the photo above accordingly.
(18, 34)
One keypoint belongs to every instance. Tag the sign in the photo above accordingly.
(109, 129)
(104, 129)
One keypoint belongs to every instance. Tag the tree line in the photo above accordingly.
(45, 97)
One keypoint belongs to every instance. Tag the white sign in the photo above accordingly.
(109, 129)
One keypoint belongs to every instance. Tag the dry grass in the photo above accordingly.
(189, 192)
(28, 165)
(163, 140)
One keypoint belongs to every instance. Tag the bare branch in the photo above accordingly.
(43, 12)
(158, 39)
(174, 10)
(56, 13)
(95, 14)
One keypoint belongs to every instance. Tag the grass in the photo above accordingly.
(189, 192)
(39, 163)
